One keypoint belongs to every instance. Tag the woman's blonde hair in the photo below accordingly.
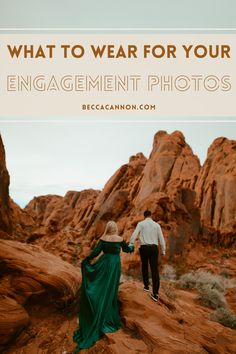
(111, 228)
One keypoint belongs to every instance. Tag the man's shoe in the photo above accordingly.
(145, 289)
(155, 297)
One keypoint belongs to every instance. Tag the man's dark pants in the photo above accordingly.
(149, 255)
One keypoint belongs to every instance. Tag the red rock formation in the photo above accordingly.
(59, 222)
(14, 222)
(13, 319)
(171, 162)
(167, 188)
(116, 199)
(5, 218)
(216, 193)
(164, 184)
(56, 212)
(167, 183)
(23, 224)
(79, 217)
(27, 271)
(177, 325)
(41, 207)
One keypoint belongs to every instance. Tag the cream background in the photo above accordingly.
(176, 103)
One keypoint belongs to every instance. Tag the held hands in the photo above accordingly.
(131, 247)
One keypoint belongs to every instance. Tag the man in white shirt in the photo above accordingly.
(150, 234)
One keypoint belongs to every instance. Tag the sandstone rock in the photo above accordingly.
(173, 325)
(167, 183)
(13, 319)
(164, 184)
(56, 212)
(27, 271)
(5, 217)
(60, 221)
(117, 196)
(170, 326)
(42, 207)
(171, 160)
(23, 224)
(216, 193)
(14, 222)
(166, 188)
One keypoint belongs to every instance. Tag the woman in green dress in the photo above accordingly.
(98, 310)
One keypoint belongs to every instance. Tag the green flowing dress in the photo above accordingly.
(98, 310)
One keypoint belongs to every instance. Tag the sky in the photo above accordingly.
(122, 13)
(53, 158)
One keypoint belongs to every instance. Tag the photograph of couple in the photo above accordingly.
(106, 249)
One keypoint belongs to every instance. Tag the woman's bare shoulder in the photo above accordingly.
(114, 238)
(120, 239)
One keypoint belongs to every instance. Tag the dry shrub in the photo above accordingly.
(187, 281)
(210, 297)
(225, 317)
(169, 272)
(200, 280)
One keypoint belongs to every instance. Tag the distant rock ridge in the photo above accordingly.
(191, 202)
(56, 212)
